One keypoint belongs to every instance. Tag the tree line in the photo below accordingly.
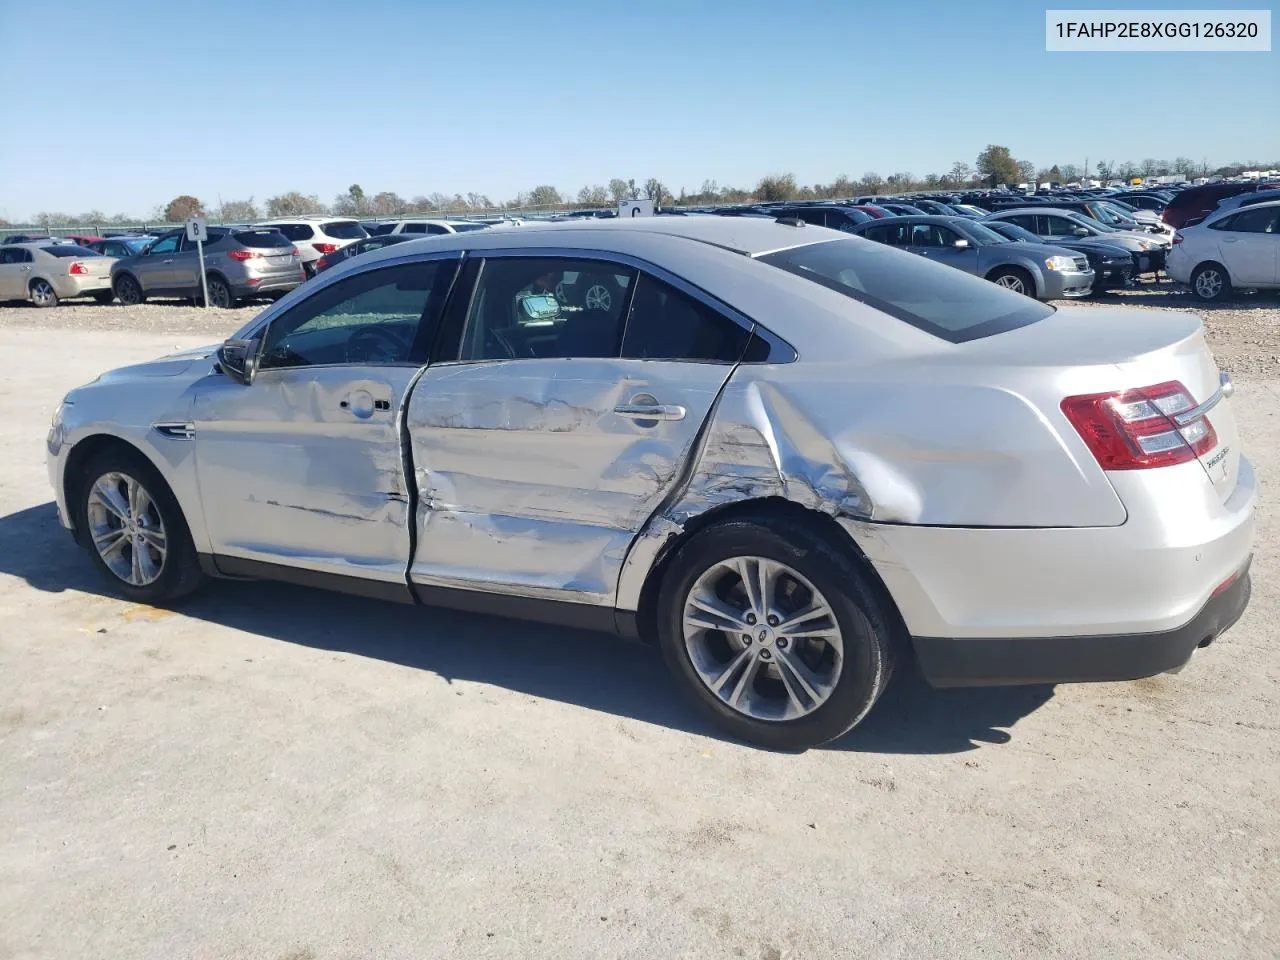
(994, 166)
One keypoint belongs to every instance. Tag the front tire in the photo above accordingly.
(1015, 279)
(134, 529)
(1210, 282)
(774, 632)
(128, 290)
(43, 294)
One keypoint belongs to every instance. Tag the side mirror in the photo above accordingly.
(145, 251)
(961, 244)
(1079, 232)
(238, 359)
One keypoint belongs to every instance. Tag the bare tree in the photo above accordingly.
(293, 204)
(544, 196)
(961, 173)
(619, 190)
(777, 186)
(387, 204)
(1148, 167)
(230, 211)
(871, 182)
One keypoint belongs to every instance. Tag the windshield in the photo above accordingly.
(1014, 232)
(1086, 221)
(1101, 212)
(464, 227)
(982, 233)
(1125, 207)
(947, 303)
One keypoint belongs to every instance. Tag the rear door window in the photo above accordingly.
(947, 303)
(345, 230)
(1261, 220)
(414, 228)
(667, 324)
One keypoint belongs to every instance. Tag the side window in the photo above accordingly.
(546, 307)
(879, 234)
(925, 235)
(190, 246)
(841, 223)
(414, 228)
(436, 228)
(1057, 227)
(666, 324)
(946, 236)
(296, 231)
(1026, 221)
(166, 244)
(1261, 220)
(380, 316)
(7, 256)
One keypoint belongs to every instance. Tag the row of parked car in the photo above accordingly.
(1215, 238)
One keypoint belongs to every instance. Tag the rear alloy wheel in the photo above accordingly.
(1210, 282)
(1014, 279)
(220, 294)
(43, 294)
(774, 632)
(134, 528)
(129, 291)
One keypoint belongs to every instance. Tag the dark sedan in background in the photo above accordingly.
(1112, 266)
(376, 242)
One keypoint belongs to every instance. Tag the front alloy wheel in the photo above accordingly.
(126, 529)
(762, 638)
(1210, 283)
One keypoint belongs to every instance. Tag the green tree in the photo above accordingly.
(657, 191)
(180, 208)
(776, 186)
(960, 174)
(1026, 171)
(996, 165)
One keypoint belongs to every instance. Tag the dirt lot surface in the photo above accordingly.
(277, 773)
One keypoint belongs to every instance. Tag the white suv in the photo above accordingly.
(315, 235)
(437, 226)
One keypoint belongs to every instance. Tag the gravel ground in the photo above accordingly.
(279, 773)
(1244, 333)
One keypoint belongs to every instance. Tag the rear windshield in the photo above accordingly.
(296, 231)
(69, 250)
(464, 227)
(263, 238)
(345, 230)
(946, 302)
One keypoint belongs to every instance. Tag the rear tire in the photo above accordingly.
(1015, 279)
(220, 294)
(133, 528)
(1210, 282)
(42, 293)
(103, 296)
(128, 290)
(788, 688)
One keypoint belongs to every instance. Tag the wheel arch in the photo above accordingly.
(764, 508)
(1037, 280)
(83, 451)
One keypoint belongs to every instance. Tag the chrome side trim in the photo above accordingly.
(1195, 413)
(176, 431)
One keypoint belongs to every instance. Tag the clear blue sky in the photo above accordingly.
(148, 100)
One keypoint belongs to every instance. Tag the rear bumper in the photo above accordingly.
(80, 286)
(270, 284)
(1003, 661)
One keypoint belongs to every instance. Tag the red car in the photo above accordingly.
(1195, 203)
(82, 241)
(874, 209)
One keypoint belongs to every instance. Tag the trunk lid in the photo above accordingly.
(95, 266)
(1093, 350)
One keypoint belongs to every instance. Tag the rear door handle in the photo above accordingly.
(650, 411)
(167, 261)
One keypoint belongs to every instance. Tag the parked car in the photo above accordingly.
(316, 235)
(1145, 201)
(247, 262)
(1112, 266)
(436, 227)
(883, 458)
(835, 216)
(902, 209)
(875, 210)
(359, 247)
(1052, 224)
(120, 246)
(936, 207)
(1247, 200)
(375, 228)
(1191, 206)
(29, 238)
(44, 273)
(1034, 269)
(80, 240)
(1228, 250)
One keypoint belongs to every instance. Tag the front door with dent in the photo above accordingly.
(304, 466)
(562, 419)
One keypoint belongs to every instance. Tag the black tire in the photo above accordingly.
(220, 294)
(866, 627)
(128, 290)
(180, 569)
(1013, 278)
(1210, 282)
(104, 296)
(308, 269)
(42, 293)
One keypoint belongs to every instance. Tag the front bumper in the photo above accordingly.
(1004, 661)
(1110, 274)
(1061, 284)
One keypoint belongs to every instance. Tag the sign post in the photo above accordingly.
(198, 231)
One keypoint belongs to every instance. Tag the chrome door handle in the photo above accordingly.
(1229, 239)
(650, 411)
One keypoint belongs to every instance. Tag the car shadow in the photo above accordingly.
(1175, 296)
(591, 670)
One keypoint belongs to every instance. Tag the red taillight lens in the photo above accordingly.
(78, 269)
(1178, 238)
(293, 251)
(242, 255)
(322, 263)
(1142, 428)
(325, 247)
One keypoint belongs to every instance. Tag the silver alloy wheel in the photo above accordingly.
(762, 638)
(126, 528)
(42, 294)
(1209, 283)
(1011, 281)
(598, 297)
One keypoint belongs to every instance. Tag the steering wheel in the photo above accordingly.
(376, 343)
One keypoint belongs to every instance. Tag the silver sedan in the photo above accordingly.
(788, 457)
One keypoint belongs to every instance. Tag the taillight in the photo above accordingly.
(293, 251)
(242, 255)
(78, 269)
(1142, 428)
(322, 263)
(325, 247)
(1178, 238)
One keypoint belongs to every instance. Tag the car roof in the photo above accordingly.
(1222, 212)
(306, 217)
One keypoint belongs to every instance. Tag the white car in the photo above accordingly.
(316, 235)
(437, 226)
(1229, 249)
